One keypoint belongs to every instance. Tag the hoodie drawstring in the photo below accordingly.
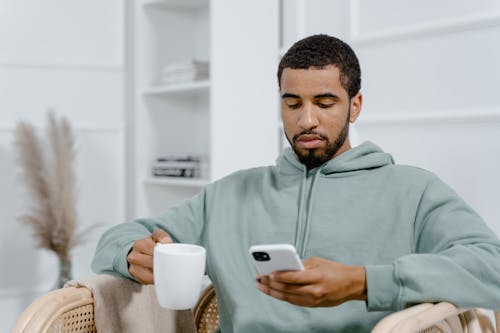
(305, 236)
(300, 244)
(298, 225)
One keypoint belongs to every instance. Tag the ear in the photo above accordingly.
(356, 103)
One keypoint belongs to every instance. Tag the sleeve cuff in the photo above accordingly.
(383, 288)
(121, 264)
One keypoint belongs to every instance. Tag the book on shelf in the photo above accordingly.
(179, 166)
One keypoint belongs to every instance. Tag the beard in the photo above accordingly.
(313, 158)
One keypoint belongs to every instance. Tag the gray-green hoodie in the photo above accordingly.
(417, 239)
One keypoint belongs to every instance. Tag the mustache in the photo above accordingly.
(310, 132)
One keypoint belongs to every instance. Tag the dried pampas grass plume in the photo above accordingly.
(50, 183)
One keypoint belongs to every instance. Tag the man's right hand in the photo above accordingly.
(140, 259)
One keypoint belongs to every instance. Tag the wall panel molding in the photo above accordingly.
(438, 116)
(118, 128)
(445, 26)
(59, 65)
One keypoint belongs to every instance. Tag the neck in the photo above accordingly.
(345, 147)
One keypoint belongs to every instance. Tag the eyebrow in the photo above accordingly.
(325, 95)
(288, 95)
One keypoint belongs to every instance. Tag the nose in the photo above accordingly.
(308, 117)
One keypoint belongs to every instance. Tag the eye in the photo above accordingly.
(325, 106)
(325, 103)
(293, 103)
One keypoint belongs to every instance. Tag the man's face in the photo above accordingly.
(316, 111)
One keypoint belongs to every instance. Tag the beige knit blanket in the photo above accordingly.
(124, 306)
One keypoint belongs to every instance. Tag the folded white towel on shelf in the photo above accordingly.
(182, 66)
(183, 77)
(185, 71)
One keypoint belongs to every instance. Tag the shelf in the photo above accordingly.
(174, 181)
(176, 4)
(188, 87)
(191, 117)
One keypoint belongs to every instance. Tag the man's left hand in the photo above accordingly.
(322, 283)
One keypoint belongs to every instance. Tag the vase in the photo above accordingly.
(64, 272)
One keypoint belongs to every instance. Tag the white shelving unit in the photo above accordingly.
(174, 4)
(180, 88)
(229, 119)
(176, 181)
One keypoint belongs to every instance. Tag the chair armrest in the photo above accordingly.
(40, 314)
(428, 317)
(446, 316)
(388, 323)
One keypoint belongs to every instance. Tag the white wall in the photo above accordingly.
(68, 56)
(430, 75)
(430, 78)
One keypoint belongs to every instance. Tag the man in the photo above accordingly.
(374, 236)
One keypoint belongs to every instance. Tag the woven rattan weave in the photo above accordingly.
(79, 320)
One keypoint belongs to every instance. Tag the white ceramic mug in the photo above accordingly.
(178, 273)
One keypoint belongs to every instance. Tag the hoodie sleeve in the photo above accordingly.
(184, 223)
(456, 259)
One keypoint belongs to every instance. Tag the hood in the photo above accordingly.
(365, 156)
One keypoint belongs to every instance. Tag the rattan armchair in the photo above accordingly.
(71, 310)
(441, 317)
(62, 310)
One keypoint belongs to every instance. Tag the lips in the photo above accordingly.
(309, 141)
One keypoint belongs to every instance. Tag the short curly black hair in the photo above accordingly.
(319, 51)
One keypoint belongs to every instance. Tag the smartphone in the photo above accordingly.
(270, 258)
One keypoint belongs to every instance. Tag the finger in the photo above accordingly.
(145, 246)
(282, 287)
(140, 259)
(161, 236)
(308, 290)
(142, 274)
(310, 295)
(290, 298)
(296, 277)
(312, 262)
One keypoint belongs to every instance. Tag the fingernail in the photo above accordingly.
(165, 240)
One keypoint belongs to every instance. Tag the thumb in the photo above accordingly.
(161, 236)
(312, 262)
